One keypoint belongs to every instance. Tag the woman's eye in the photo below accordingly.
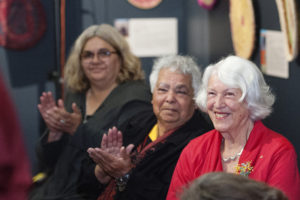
(210, 93)
(230, 94)
(182, 92)
(162, 89)
(87, 55)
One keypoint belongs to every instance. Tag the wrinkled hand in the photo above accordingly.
(113, 158)
(71, 121)
(46, 107)
(101, 175)
(112, 141)
(56, 117)
(115, 166)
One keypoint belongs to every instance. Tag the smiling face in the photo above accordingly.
(225, 110)
(99, 68)
(172, 101)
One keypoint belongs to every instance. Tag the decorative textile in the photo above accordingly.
(22, 23)
(148, 144)
(141, 150)
(267, 157)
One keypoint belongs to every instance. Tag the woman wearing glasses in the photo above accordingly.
(104, 87)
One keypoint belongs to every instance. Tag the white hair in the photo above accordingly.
(240, 73)
(183, 64)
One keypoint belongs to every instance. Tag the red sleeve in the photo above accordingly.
(192, 162)
(15, 176)
(285, 174)
(182, 175)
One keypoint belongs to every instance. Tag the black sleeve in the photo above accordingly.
(132, 109)
(48, 153)
(89, 184)
(88, 179)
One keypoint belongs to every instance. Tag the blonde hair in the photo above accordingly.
(131, 69)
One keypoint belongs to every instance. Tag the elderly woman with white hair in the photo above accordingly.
(236, 98)
(159, 135)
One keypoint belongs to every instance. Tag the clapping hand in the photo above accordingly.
(113, 159)
(56, 117)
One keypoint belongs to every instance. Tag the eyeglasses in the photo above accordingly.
(88, 56)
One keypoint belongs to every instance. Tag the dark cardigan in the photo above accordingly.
(151, 177)
(65, 159)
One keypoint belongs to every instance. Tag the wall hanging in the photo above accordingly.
(242, 22)
(145, 4)
(22, 23)
(288, 22)
(207, 4)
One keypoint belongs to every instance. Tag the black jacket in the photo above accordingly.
(65, 158)
(151, 177)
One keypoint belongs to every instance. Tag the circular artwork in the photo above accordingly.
(145, 4)
(22, 23)
(288, 23)
(242, 24)
(207, 4)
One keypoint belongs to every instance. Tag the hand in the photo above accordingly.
(101, 175)
(56, 117)
(112, 157)
(71, 121)
(45, 107)
(114, 165)
(112, 141)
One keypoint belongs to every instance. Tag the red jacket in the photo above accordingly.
(271, 156)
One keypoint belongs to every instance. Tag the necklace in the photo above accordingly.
(232, 158)
(85, 119)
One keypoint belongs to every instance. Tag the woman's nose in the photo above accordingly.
(96, 58)
(219, 101)
(170, 97)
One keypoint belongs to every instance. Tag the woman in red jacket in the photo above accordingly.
(236, 97)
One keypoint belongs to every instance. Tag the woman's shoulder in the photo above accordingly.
(204, 141)
(132, 90)
(271, 138)
(139, 85)
(71, 96)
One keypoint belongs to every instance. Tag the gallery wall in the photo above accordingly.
(201, 33)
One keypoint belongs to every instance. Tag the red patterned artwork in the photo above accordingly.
(22, 23)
